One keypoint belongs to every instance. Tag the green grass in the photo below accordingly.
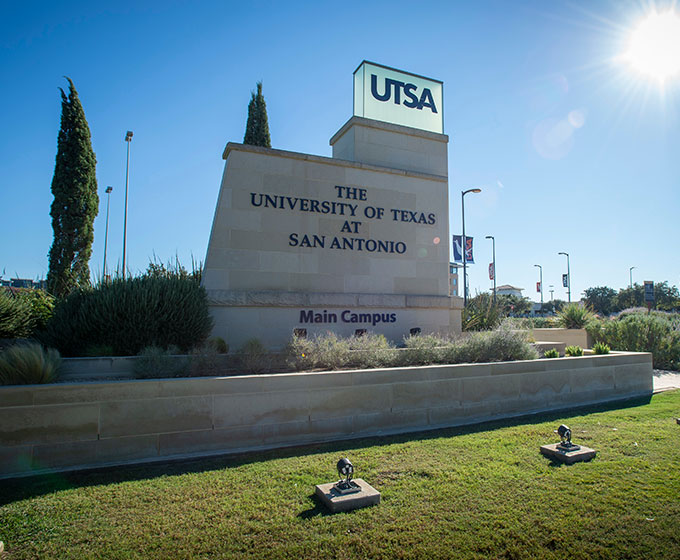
(475, 492)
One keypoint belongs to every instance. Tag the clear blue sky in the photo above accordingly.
(574, 151)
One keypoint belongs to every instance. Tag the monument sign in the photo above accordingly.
(358, 241)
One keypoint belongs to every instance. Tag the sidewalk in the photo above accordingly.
(666, 380)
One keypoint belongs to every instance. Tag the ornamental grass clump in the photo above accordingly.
(574, 316)
(28, 364)
(15, 316)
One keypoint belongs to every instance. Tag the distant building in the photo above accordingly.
(453, 278)
(508, 290)
(23, 283)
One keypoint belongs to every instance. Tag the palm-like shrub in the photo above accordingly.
(16, 320)
(132, 314)
(601, 348)
(574, 316)
(551, 353)
(573, 351)
(28, 364)
(481, 313)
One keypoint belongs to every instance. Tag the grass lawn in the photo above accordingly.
(475, 492)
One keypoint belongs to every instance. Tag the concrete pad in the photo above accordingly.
(336, 502)
(583, 454)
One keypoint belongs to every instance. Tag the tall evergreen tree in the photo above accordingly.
(257, 126)
(76, 202)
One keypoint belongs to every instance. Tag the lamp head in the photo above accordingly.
(128, 136)
(345, 468)
(489, 237)
(564, 432)
(108, 190)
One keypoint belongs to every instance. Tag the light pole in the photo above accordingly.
(106, 235)
(551, 290)
(462, 199)
(493, 241)
(128, 139)
(631, 276)
(568, 276)
(540, 283)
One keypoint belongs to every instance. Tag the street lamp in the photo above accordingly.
(106, 235)
(128, 139)
(568, 276)
(462, 198)
(631, 275)
(551, 290)
(493, 240)
(540, 283)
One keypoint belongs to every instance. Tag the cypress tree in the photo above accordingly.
(76, 202)
(257, 126)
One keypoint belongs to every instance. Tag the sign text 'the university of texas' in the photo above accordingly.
(390, 95)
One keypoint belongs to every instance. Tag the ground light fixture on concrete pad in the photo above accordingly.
(347, 494)
(566, 451)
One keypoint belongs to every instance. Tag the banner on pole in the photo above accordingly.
(565, 280)
(492, 272)
(457, 251)
(458, 248)
(538, 287)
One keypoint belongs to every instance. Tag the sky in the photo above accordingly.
(575, 150)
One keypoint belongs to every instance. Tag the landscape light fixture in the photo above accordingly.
(346, 486)
(566, 451)
(568, 276)
(565, 439)
(128, 140)
(493, 241)
(462, 198)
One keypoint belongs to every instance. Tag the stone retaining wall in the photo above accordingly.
(45, 428)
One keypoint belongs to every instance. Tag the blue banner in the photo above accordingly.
(458, 252)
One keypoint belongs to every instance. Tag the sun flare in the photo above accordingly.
(654, 46)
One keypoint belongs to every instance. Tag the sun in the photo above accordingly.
(654, 46)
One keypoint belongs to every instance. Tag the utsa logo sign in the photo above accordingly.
(394, 89)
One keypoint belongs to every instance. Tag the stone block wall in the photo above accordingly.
(47, 428)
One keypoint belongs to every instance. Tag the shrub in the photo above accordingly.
(370, 351)
(601, 348)
(424, 349)
(481, 313)
(501, 345)
(132, 314)
(573, 351)
(551, 353)
(16, 320)
(254, 357)
(656, 332)
(29, 364)
(41, 304)
(158, 363)
(574, 316)
(218, 344)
